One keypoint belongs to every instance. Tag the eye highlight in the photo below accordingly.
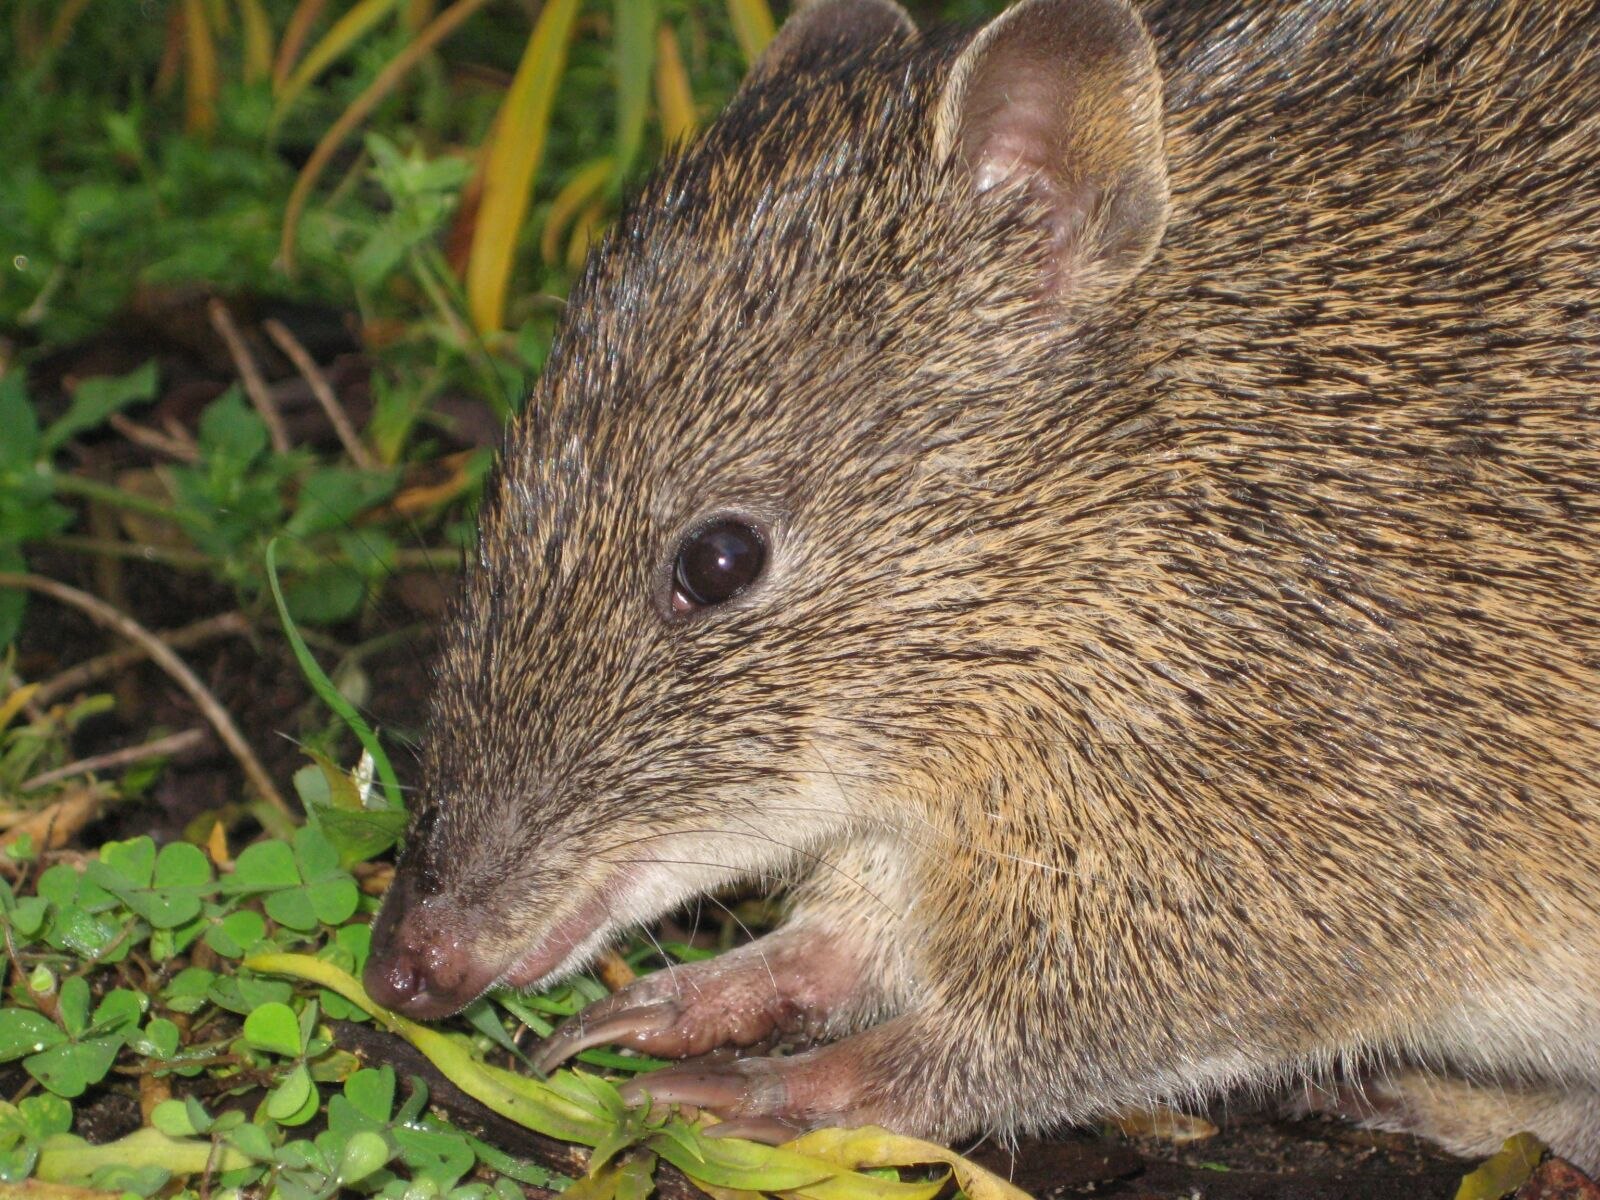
(716, 562)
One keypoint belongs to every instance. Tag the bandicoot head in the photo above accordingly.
(760, 547)
(1156, 627)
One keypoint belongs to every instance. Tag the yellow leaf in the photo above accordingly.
(294, 39)
(217, 846)
(636, 1176)
(597, 1185)
(346, 32)
(1167, 1124)
(752, 27)
(631, 1177)
(200, 75)
(1505, 1172)
(585, 231)
(64, 1158)
(567, 1106)
(514, 153)
(582, 187)
(871, 1146)
(520, 1098)
(855, 1186)
(674, 99)
(13, 703)
(257, 40)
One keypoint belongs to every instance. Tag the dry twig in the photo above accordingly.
(182, 449)
(250, 375)
(161, 654)
(87, 672)
(174, 743)
(320, 388)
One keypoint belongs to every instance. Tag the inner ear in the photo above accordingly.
(1061, 100)
(823, 31)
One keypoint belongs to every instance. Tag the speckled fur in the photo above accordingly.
(1194, 688)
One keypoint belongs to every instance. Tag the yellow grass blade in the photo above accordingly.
(294, 39)
(752, 26)
(585, 232)
(171, 53)
(13, 704)
(200, 70)
(870, 1146)
(346, 32)
(441, 27)
(257, 40)
(584, 185)
(674, 99)
(634, 44)
(66, 17)
(514, 153)
(418, 13)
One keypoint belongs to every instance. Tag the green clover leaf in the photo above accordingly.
(294, 1100)
(23, 1031)
(273, 1027)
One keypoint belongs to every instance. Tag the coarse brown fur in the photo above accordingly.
(1171, 673)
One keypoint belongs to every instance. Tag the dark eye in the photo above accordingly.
(715, 563)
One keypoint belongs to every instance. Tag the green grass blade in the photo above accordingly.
(346, 32)
(330, 695)
(634, 54)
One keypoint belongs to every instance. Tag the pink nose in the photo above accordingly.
(420, 966)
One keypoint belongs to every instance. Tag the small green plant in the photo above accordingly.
(250, 1060)
(30, 487)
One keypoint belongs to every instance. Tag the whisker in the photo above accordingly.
(711, 832)
(671, 966)
(754, 941)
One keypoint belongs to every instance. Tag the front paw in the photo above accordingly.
(665, 1016)
(784, 983)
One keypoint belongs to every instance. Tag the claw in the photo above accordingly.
(621, 1027)
(744, 1089)
(771, 1130)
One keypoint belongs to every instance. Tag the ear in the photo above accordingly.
(1061, 99)
(822, 31)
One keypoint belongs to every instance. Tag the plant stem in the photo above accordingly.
(93, 489)
(172, 556)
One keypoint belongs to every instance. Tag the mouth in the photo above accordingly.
(428, 961)
(566, 947)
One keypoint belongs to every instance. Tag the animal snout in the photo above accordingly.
(421, 965)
